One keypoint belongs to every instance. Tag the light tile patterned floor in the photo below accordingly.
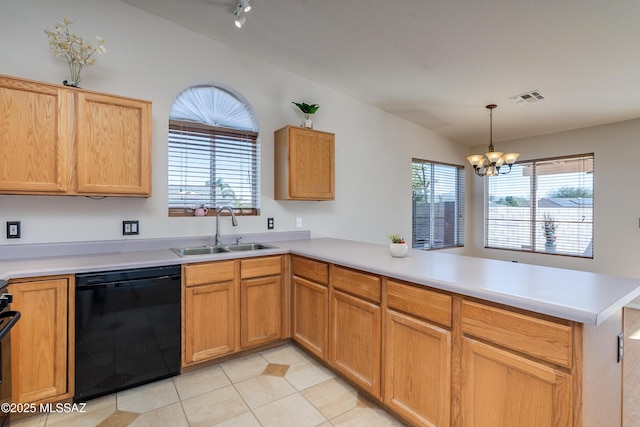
(280, 387)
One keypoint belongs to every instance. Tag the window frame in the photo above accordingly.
(534, 196)
(228, 118)
(214, 131)
(459, 181)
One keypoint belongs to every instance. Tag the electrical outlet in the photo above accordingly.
(13, 229)
(130, 228)
(270, 224)
(298, 222)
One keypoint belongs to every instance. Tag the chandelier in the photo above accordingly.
(490, 163)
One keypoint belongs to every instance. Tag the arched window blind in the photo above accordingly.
(542, 206)
(213, 153)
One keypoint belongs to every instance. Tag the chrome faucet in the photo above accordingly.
(234, 221)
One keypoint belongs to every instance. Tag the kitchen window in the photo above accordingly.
(214, 153)
(438, 205)
(543, 206)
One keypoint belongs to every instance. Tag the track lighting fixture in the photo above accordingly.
(242, 8)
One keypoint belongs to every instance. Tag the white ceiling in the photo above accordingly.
(439, 62)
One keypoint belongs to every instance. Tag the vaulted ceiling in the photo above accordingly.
(439, 62)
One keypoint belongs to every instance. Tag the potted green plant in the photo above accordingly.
(308, 110)
(398, 246)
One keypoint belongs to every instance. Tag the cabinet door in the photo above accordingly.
(311, 316)
(35, 138)
(304, 164)
(355, 340)
(260, 310)
(417, 370)
(113, 145)
(503, 389)
(210, 322)
(311, 165)
(39, 341)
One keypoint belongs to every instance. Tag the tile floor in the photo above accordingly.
(279, 387)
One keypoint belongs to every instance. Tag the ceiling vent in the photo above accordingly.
(527, 98)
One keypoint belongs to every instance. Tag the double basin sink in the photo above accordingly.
(209, 250)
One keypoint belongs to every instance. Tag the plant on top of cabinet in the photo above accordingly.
(308, 110)
(75, 49)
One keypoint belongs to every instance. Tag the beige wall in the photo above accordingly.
(616, 197)
(373, 148)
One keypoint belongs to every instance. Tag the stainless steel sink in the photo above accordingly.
(249, 247)
(198, 250)
(208, 250)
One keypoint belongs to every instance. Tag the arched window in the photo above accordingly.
(213, 152)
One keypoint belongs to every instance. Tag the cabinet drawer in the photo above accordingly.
(211, 272)
(356, 283)
(420, 302)
(540, 338)
(256, 267)
(309, 269)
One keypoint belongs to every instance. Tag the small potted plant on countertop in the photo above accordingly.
(398, 246)
(308, 110)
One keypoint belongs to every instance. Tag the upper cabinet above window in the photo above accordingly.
(56, 140)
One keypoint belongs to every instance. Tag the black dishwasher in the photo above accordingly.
(127, 329)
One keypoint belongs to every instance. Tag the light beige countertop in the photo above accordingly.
(580, 296)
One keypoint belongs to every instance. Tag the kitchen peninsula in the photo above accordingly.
(440, 339)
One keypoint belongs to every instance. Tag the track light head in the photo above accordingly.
(244, 6)
(240, 20)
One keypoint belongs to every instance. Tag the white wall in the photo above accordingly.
(616, 197)
(373, 148)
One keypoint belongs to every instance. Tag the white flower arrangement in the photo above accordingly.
(75, 49)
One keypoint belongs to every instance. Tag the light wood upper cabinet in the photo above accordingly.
(113, 145)
(68, 141)
(41, 353)
(304, 164)
(35, 134)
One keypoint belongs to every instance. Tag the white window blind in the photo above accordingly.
(438, 205)
(542, 206)
(212, 166)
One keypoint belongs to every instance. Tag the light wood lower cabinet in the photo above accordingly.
(311, 305)
(211, 311)
(230, 306)
(441, 359)
(417, 353)
(354, 344)
(260, 301)
(41, 342)
(503, 389)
